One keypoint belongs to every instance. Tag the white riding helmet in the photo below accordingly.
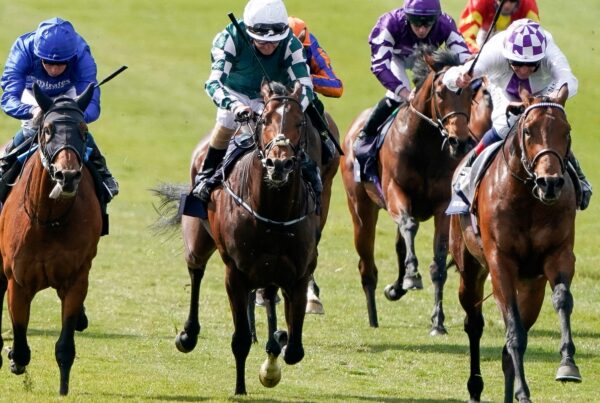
(266, 20)
(525, 42)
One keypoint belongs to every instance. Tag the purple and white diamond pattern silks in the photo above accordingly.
(527, 41)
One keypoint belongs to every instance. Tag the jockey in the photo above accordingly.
(393, 40)
(321, 73)
(526, 56)
(477, 17)
(60, 61)
(235, 78)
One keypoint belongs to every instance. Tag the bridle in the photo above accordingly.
(262, 152)
(439, 120)
(529, 164)
(64, 117)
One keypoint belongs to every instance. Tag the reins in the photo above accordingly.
(262, 150)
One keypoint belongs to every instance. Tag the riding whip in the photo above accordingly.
(110, 77)
(487, 36)
(266, 75)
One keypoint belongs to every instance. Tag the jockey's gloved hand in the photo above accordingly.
(242, 113)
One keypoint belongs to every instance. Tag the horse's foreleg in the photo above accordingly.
(438, 273)
(19, 305)
(270, 371)
(241, 340)
(295, 302)
(408, 227)
(562, 300)
(516, 344)
(186, 340)
(394, 291)
(72, 304)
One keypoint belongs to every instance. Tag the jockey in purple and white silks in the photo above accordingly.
(59, 60)
(523, 55)
(393, 40)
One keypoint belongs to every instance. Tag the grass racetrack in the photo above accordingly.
(152, 117)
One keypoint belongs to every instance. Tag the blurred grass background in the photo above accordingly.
(152, 117)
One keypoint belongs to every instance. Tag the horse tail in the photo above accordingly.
(169, 214)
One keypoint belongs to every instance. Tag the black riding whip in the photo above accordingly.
(487, 36)
(266, 75)
(110, 77)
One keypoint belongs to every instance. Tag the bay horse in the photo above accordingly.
(50, 227)
(423, 146)
(264, 223)
(525, 211)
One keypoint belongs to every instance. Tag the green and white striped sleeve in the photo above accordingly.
(223, 53)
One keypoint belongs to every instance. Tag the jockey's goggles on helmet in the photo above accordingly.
(266, 30)
(421, 20)
(54, 63)
(515, 63)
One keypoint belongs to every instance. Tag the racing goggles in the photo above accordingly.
(421, 20)
(54, 63)
(524, 64)
(266, 30)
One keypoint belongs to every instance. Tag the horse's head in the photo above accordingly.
(545, 138)
(444, 109)
(283, 125)
(62, 139)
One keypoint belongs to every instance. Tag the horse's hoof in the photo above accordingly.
(315, 307)
(568, 373)
(270, 372)
(184, 342)
(412, 283)
(17, 369)
(438, 331)
(392, 293)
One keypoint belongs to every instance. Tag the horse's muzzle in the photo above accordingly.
(67, 182)
(548, 188)
(278, 170)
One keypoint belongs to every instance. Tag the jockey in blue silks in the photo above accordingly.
(59, 60)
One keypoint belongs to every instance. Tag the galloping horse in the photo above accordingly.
(49, 230)
(525, 211)
(416, 162)
(265, 225)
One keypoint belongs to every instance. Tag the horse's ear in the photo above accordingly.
(43, 100)
(297, 91)
(428, 57)
(525, 96)
(84, 99)
(563, 94)
(265, 88)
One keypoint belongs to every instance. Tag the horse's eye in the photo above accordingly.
(47, 133)
(526, 131)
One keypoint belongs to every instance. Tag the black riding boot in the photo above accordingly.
(316, 113)
(310, 172)
(379, 114)
(586, 186)
(202, 185)
(111, 186)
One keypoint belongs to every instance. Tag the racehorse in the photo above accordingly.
(50, 226)
(481, 111)
(525, 211)
(264, 223)
(423, 146)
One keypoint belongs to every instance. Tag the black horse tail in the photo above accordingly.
(169, 214)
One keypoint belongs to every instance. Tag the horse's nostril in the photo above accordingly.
(288, 164)
(269, 163)
(453, 141)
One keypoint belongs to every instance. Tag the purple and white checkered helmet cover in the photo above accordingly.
(525, 41)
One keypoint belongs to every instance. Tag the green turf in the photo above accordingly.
(152, 117)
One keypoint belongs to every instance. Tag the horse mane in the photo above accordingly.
(278, 88)
(441, 58)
